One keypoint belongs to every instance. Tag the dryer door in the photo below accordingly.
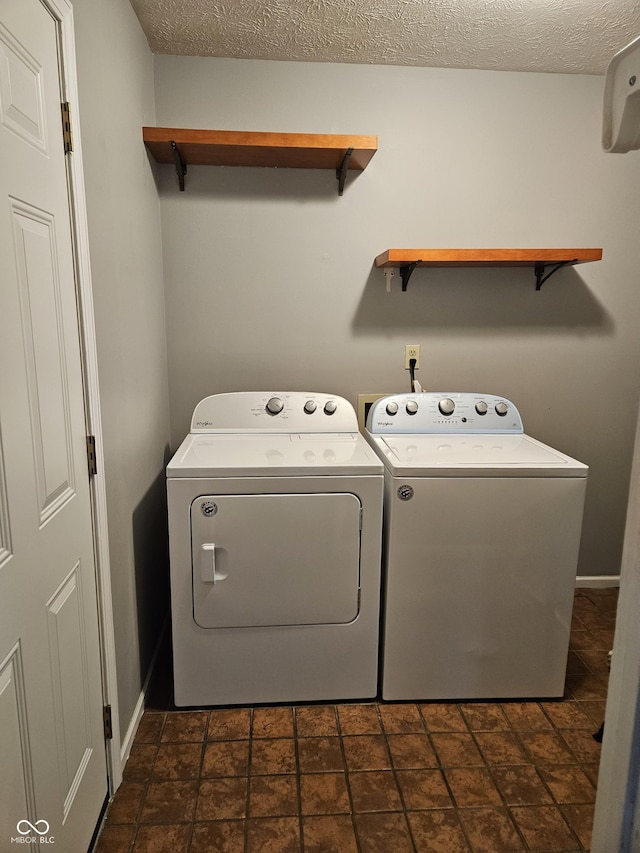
(280, 559)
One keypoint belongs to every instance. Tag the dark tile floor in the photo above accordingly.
(373, 777)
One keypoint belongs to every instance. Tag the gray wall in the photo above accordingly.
(268, 274)
(115, 77)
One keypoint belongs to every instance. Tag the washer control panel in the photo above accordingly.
(444, 412)
(281, 412)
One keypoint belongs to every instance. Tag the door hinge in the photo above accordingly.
(106, 721)
(66, 127)
(91, 455)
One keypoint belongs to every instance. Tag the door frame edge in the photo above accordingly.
(62, 11)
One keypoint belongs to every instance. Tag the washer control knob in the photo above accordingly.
(481, 408)
(501, 409)
(446, 406)
(412, 407)
(310, 406)
(275, 406)
(330, 406)
(392, 408)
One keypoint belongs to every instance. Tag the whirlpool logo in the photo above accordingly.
(33, 833)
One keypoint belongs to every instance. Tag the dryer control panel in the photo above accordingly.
(274, 412)
(444, 412)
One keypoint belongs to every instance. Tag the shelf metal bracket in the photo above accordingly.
(539, 269)
(181, 166)
(405, 273)
(341, 172)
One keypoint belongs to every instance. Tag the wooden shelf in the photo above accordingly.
(247, 148)
(408, 259)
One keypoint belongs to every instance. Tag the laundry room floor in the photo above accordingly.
(372, 777)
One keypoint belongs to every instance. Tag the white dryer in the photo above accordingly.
(275, 518)
(482, 529)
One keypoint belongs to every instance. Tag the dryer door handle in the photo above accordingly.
(208, 563)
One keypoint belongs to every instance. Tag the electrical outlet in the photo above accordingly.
(411, 351)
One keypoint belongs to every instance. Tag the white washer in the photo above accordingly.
(482, 528)
(275, 521)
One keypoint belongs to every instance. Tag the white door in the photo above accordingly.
(52, 752)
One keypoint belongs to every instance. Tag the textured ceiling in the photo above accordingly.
(571, 36)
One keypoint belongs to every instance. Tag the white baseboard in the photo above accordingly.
(597, 581)
(127, 740)
(138, 711)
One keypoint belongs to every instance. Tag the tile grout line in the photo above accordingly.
(343, 753)
(487, 767)
(397, 781)
(294, 723)
(440, 768)
(247, 803)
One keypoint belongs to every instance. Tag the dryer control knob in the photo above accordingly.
(482, 408)
(330, 406)
(412, 407)
(392, 408)
(446, 406)
(310, 406)
(275, 406)
(502, 409)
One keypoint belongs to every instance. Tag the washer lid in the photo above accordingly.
(313, 454)
(474, 455)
